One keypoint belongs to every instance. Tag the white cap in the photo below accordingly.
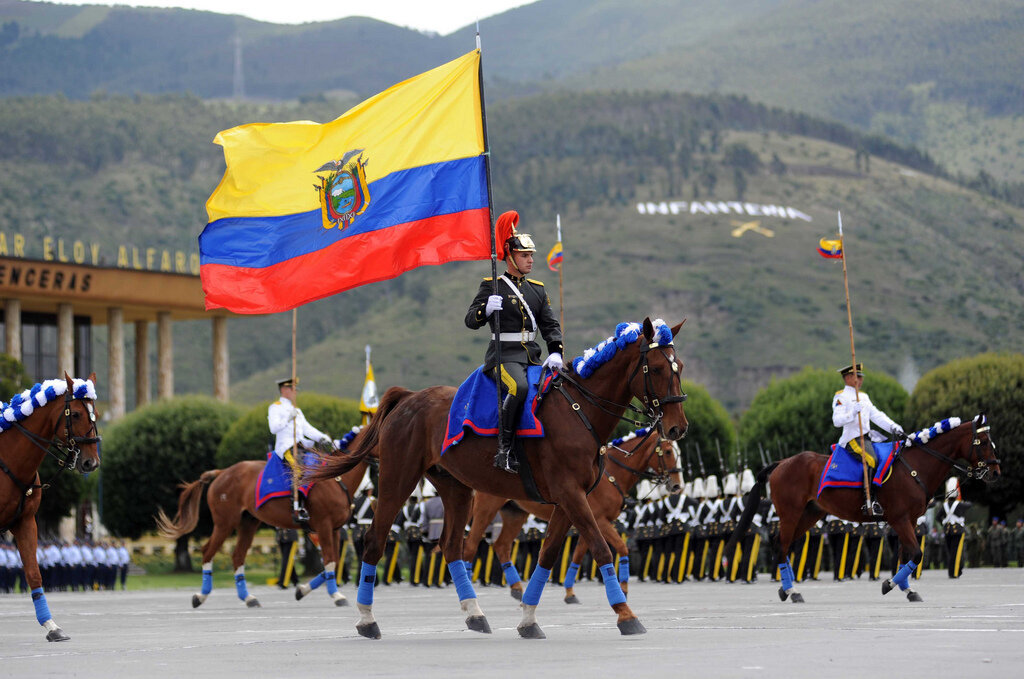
(731, 485)
(688, 489)
(952, 486)
(698, 488)
(711, 486)
(746, 481)
(428, 489)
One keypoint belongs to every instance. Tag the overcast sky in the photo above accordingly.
(441, 16)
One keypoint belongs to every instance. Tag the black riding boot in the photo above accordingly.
(505, 459)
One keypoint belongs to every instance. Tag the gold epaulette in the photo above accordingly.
(276, 403)
(488, 278)
(535, 282)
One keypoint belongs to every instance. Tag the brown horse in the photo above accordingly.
(37, 423)
(918, 471)
(232, 501)
(579, 415)
(640, 457)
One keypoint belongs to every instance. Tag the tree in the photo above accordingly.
(711, 429)
(249, 437)
(795, 414)
(149, 452)
(13, 377)
(992, 384)
(741, 157)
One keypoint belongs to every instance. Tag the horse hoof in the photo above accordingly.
(798, 598)
(782, 594)
(913, 596)
(253, 603)
(572, 599)
(341, 602)
(196, 601)
(632, 626)
(369, 630)
(300, 592)
(517, 594)
(887, 586)
(478, 623)
(56, 635)
(531, 631)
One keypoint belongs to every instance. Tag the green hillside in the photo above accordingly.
(935, 268)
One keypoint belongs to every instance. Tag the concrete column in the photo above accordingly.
(115, 361)
(141, 363)
(12, 327)
(164, 356)
(220, 358)
(66, 339)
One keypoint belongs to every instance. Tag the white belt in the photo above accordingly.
(524, 336)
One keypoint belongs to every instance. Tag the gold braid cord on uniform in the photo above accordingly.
(854, 447)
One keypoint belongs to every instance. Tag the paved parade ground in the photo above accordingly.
(972, 627)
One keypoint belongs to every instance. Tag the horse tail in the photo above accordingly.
(752, 501)
(363, 445)
(185, 520)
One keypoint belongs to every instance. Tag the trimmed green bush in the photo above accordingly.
(988, 383)
(795, 414)
(249, 438)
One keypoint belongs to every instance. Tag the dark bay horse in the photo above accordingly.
(640, 457)
(57, 418)
(232, 501)
(918, 472)
(579, 415)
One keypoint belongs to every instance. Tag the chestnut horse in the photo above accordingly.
(641, 457)
(232, 501)
(579, 414)
(918, 471)
(37, 423)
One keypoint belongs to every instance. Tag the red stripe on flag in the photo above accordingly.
(348, 263)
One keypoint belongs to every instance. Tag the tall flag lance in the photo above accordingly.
(368, 401)
(555, 264)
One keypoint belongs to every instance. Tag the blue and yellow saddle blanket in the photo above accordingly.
(276, 479)
(476, 407)
(844, 468)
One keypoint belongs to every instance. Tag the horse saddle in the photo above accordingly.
(844, 468)
(276, 479)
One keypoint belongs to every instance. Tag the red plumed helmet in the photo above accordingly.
(504, 229)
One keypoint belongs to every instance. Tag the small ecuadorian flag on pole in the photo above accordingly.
(831, 248)
(368, 402)
(555, 256)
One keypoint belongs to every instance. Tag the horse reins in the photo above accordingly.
(66, 452)
(658, 476)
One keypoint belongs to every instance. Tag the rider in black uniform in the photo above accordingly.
(525, 312)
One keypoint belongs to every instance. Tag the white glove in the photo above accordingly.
(292, 414)
(856, 407)
(553, 362)
(897, 431)
(493, 304)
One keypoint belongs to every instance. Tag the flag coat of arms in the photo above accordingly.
(306, 210)
(555, 256)
(831, 248)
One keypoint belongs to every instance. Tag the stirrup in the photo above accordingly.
(300, 515)
(874, 510)
(503, 460)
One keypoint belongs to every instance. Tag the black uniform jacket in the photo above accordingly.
(514, 319)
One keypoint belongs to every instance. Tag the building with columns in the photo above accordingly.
(50, 308)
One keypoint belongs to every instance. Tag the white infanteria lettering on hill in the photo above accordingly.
(713, 207)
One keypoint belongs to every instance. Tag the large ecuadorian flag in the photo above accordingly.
(306, 210)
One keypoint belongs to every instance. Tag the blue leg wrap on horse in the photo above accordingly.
(42, 610)
(463, 587)
(534, 588)
(786, 573)
(570, 575)
(623, 569)
(903, 574)
(469, 566)
(318, 580)
(332, 584)
(240, 587)
(367, 578)
(207, 582)
(611, 585)
(511, 574)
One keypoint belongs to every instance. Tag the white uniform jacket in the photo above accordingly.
(279, 416)
(844, 416)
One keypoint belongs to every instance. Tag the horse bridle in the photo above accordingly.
(977, 468)
(653, 404)
(657, 476)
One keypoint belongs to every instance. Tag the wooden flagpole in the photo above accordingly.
(561, 304)
(295, 423)
(853, 358)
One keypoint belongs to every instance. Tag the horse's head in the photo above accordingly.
(668, 465)
(657, 380)
(982, 462)
(77, 428)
